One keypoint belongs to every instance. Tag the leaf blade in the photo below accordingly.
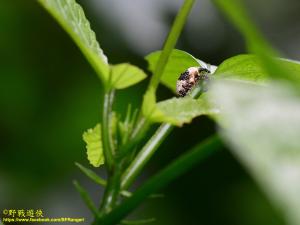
(70, 16)
(248, 67)
(125, 75)
(92, 138)
(179, 111)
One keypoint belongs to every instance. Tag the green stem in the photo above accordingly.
(112, 190)
(165, 176)
(170, 42)
(108, 150)
(145, 154)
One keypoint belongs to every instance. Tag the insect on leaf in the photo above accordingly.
(178, 62)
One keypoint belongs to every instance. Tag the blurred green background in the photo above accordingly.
(49, 95)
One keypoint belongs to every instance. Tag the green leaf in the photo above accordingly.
(250, 68)
(177, 63)
(91, 174)
(125, 75)
(261, 124)
(178, 111)
(242, 67)
(71, 17)
(92, 138)
(86, 198)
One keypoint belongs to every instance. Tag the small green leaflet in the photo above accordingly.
(71, 17)
(92, 138)
(178, 62)
(125, 75)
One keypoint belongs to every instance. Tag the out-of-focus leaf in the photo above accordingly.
(238, 15)
(249, 68)
(92, 138)
(125, 75)
(262, 126)
(178, 62)
(256, 43)
(71, 17)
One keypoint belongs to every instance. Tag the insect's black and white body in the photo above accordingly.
(189, 78)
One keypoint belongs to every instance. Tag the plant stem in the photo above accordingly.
(106, 131)
(145, 154)
(165, 176)
(114, 169)
(112, 190)
(170, 42)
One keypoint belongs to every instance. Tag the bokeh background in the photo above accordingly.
(49, 95)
